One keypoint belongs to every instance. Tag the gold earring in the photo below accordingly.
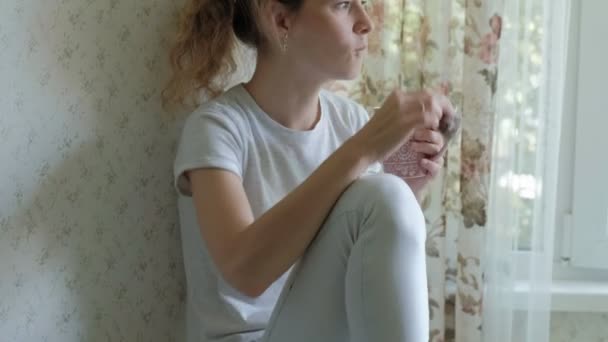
(284, 42)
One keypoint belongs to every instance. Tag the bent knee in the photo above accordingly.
(392, 199)
(385, 190)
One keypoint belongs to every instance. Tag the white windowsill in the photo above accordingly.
(574, 289)
(571, 295)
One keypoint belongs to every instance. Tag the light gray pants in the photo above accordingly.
(363, 277)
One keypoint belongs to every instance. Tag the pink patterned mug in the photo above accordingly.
(405, 163)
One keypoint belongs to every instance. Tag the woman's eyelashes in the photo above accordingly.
(347, 5)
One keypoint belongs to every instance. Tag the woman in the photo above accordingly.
(290, 230)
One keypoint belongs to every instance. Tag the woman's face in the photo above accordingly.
(328, 38)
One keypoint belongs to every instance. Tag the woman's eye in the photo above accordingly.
(348, 4)
(344, 5)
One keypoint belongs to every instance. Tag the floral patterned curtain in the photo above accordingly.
(451, 46)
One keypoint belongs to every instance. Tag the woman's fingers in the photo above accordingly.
(428, 135)
(430, 108)
(428, 142)
(432, 167)
(426, 148)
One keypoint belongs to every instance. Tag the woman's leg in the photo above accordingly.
(363, 278)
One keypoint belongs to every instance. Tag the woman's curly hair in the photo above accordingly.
(205, 44)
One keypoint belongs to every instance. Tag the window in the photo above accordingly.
(582, 201)
(585, 234)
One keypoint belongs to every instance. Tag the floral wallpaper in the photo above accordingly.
(89, 245)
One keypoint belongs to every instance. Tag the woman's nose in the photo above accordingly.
(364, 24)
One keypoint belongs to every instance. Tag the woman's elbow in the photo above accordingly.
(242, 280)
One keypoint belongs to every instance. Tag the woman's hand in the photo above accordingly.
(430, 143)
(395, 122)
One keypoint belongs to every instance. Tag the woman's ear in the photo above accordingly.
(276, 17)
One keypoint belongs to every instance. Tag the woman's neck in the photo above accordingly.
(289, 99)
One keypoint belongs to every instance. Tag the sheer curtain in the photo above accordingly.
(522, 194)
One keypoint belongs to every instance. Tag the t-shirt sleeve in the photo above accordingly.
(362, 116)
(208, 140)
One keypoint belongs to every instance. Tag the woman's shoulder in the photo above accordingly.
(212, 117)
(345, 108)
(222, 107)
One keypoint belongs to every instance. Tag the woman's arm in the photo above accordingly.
(250, 254)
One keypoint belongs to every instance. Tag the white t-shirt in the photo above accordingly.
(232, 132)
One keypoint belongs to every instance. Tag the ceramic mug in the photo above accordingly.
(405, 163)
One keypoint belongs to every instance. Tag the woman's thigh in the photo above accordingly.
(312, 305)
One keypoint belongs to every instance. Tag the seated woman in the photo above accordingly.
(291, 231)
